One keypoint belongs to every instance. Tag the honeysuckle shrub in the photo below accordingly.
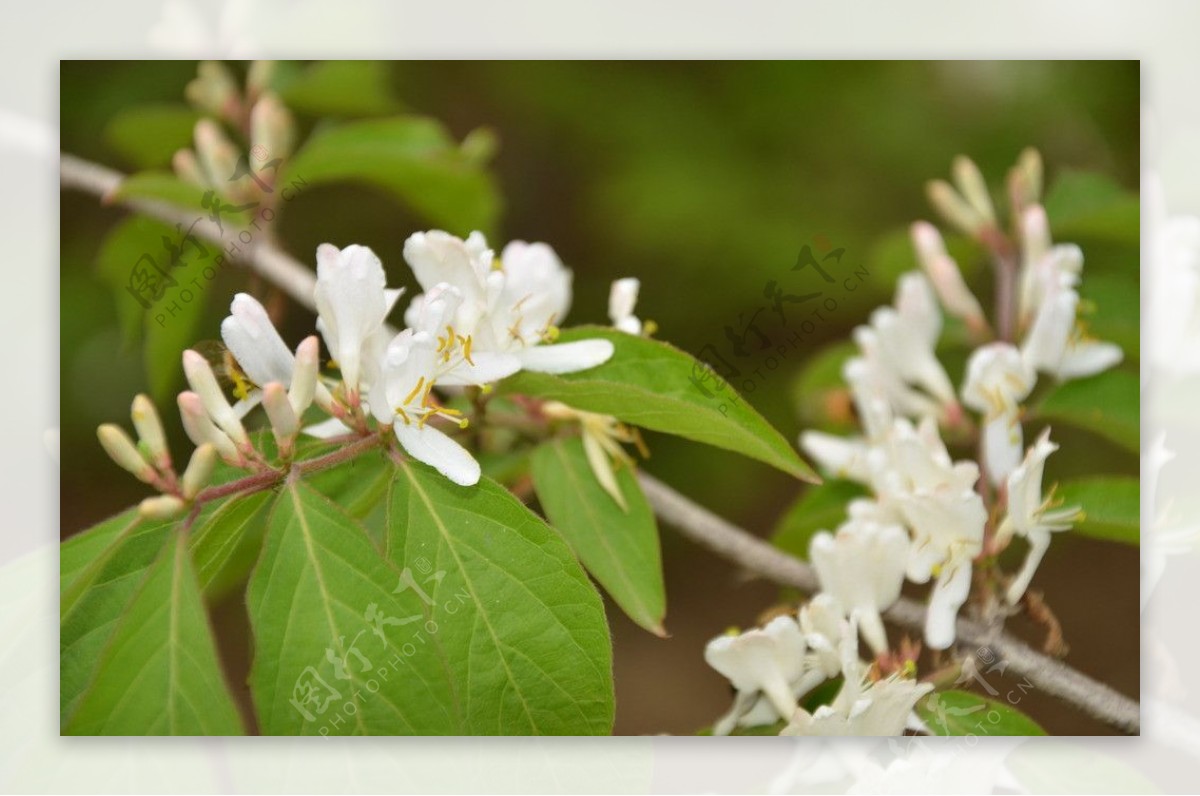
(415, 516)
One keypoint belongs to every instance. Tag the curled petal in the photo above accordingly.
(427, 444)
(566, 357)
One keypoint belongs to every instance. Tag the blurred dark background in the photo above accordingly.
(704, 180)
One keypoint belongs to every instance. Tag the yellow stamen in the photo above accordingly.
(403, 416)
(415, 390)
(466, 342)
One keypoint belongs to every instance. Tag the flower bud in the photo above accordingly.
(304, 375)
(161, 507)
(258, 77)
(622, 299)
(200, 376)
(1035, 234)
(200, 428)
(1025, 180)
(150, 431)
(973, 187)
(944, 274)
(953, 208)
(199, 470)
(214, 89)
(187, 168)
(284, 424)
(217, 155)
(272, 129)
(120, 448)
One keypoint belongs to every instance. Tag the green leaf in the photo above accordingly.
(620, 548)
(653, 385)
(100, 571)
(819, 392)
(336, 650)
(820, 508)
(1085, 205)
(165, 188)
(225, 544)
(414, 159)
(1116, 315)
(342, 88)
(1107, 404)
(160, 674)
(1111, 507)
(520, 625)
(147, 136)
(964, 713)
(170, 323)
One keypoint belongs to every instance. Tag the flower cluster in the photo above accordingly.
(479, 319)
(218, 164)
(929, 517)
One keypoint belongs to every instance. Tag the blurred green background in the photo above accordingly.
(704, 180)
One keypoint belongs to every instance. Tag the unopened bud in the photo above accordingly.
(199, 470)
(952, 207)
(200, 376)
(927, 241)
(1035, 245)
(200, 428)
(304, 375)
(187, 168)
(161, 507)
(284, 424)
(150, 431)
(272, 129)
(258, 77)
(973, 187)
(213, 90)
(945, 276)
(217, 155)
(120, 449)
(1025, 179)
(1035, 234)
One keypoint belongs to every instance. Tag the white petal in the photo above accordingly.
(1002, 446)
(1038, 544)
(327, 428)
(437, 256)
(487, 368)
(1088, 358)
(254, 342)
(351, 303)
(566, 357)
(949, 593)
(427, 444)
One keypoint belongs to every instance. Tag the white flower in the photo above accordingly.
(1031, 515)
(416, 360)
(1057, 344)
(937, 501)
(763, 661)
(997, 380)
(822, 621)
(622, 299)
(862, 566)
(897, 355)
(861, 707)
(352, 303)
(509, 306)
(908, 333)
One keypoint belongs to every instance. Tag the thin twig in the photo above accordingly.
(743, 548)
(694, 521)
